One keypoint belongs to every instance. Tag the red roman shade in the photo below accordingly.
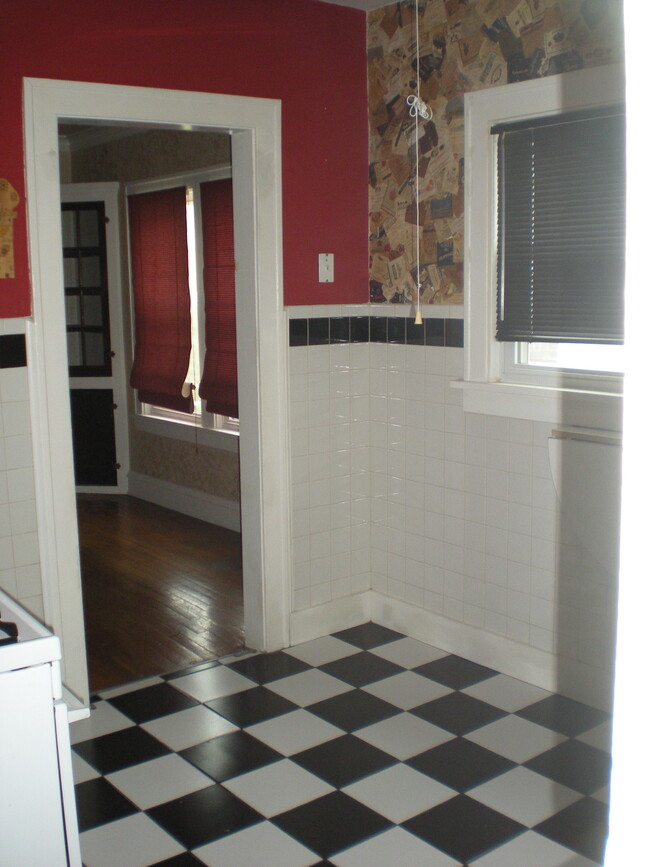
(219, 381)
(161, 294)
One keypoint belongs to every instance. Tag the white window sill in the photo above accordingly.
(226, 440)
(569, 406)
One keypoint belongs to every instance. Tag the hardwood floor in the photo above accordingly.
(161, 590)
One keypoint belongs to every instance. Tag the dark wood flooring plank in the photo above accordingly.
(161, 590)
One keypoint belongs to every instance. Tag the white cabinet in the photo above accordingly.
(38, 822)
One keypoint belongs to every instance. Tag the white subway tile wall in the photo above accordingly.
(452, 512)
(20, 573)
(330, 427)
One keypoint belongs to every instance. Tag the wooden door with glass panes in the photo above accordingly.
(90, 357)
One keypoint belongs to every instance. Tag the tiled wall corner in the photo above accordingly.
(396, 488)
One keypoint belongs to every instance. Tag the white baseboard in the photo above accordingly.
(568, 677)
(329, 617)
(197, 504)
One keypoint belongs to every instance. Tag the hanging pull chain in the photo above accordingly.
(418, 108)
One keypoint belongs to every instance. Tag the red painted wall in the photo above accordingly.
(309, 54)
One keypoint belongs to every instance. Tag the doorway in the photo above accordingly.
(153, 601)
(262, 350)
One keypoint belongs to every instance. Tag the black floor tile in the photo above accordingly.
(361, 668)
(229, 755)
(582, 827)
(563, 715)
(266, 667)
(98, 802)
(574, 764)
(146, 704)
(186, 859)
(460, 764)
(204, 816)
(458, 713)
(331, 823)
(454, 671)
(353, 710)
(120, 749)
(463, 828)
(368, 635)
(251, 706)
(343, 760)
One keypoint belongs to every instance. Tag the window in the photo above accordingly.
(182, 266)
(541, 312)
(561, 239)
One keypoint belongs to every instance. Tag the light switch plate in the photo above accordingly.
(326, 267)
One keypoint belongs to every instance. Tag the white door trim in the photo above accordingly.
(261, 335)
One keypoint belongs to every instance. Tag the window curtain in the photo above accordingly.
(158, 235)
(219, 380)
(561, 228)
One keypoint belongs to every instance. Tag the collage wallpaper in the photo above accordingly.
(465, 45)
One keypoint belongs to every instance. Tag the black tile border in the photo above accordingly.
(402, 330)
(12, 350)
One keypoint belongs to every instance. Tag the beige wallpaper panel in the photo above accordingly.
(210, 470)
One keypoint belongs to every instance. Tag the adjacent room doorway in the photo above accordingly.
(255, 128)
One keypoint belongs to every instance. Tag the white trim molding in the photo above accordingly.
(197, 504)
(570, 677)
(255, 125)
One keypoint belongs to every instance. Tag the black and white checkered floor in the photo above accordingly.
(361, 749)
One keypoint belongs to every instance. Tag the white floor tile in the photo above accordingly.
(603, 795)
(132, 842)
(188, 727)
(159, 780)
(404, 735)
(212, 683)
(81, 770)
(262, 843)
(407, 689)
(525, 796)
(277, 787)
(399, 792)
(309, 687)
(408, 652)
(294, 731)
(515, 738)
(393, 848)
(322, 650)
(103, 719)
(533, 849)
(599, 737)
(506, 692)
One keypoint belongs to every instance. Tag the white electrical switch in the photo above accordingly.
(326, 267)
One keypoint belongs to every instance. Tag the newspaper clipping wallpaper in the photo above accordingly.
(465, 45)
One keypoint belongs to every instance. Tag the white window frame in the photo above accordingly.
(204, 427)
(490, 385)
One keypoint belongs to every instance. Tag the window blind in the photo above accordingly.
(219, 380)
(161, 295)
(561, 228)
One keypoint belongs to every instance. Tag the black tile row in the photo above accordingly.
(12, 350)
(319, 331)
